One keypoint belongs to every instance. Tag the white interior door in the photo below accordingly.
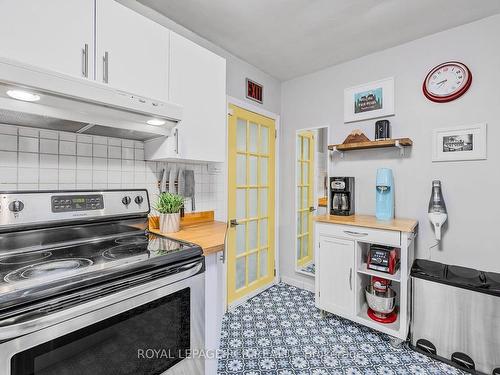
(49, 34)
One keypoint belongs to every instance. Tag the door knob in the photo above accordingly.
(233, 223)
(312, 209)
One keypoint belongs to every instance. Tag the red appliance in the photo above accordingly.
(383, 259)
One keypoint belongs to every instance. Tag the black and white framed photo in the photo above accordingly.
(459, 143)
(370, 100)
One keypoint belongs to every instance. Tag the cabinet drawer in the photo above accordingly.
(371, 235)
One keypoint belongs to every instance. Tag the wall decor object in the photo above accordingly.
(255, 91)
(459, 143)
(447, 81)
(370, 100)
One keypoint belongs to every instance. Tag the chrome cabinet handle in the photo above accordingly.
(357, 234)
(105, 67)
(85, 61)
(350, 278)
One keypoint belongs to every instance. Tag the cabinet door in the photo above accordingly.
(50, 34)
(198, 83)
(132, 51)
(336, 275)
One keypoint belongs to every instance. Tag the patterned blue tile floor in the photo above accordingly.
(280, 332)
(310, 268)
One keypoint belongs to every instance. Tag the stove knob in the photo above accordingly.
(139, 199)
(16, 206)
(126, 200)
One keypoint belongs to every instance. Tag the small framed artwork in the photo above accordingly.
(368, 101)
(459, 143)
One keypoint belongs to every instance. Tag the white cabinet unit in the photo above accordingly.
(57, 35)
(335, 278)
(198, 83)
(132, 52)
(342, 245)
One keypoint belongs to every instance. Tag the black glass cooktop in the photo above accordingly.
(64, 267)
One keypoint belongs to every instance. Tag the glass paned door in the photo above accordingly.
(251, 203)
(305, 196)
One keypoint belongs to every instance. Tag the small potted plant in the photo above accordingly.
(169, 207)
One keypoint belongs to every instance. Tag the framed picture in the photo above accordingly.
(459, 143)
(368, 101)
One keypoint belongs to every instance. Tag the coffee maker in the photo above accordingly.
(342, 196)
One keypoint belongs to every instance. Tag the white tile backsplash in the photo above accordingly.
(32, 159)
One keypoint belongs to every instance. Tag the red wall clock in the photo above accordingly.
(447, 82)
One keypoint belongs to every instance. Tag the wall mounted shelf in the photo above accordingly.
(400, 143)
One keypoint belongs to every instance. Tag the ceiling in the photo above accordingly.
(289, 38)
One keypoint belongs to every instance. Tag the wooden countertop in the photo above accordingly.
(368, 221)
(210, 236)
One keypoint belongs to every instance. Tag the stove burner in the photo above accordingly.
(132, 240)
(125, 251)
(48, 269)
(25, 258)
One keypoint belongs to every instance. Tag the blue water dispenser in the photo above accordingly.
(385, 194)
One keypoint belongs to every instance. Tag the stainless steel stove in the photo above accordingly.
(85, 289)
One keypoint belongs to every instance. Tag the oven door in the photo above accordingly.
(150, 329)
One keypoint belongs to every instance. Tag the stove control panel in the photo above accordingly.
(68, 203)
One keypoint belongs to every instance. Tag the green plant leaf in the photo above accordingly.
(169, 203)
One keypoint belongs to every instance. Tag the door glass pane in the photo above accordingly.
(263, 170)
(263, 233)
(252, 203)
(305, 199)
(252, 234)
(240, 272)
(241, 170)
(253, 135)
(263, 263)
(305, 148)
(252, 267)
(240, 204)
(263, 202)
(264, 140)
(252, 170)
(305, 173)
(241, 135)
(305, 221)
(305, 244)
(240, 239)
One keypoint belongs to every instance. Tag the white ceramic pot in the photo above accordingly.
(170, 223)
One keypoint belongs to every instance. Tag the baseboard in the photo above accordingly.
(299, 283)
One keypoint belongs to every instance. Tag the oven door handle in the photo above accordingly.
(57, 310)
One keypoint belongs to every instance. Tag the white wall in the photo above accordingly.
(471, 189)
(237, 69)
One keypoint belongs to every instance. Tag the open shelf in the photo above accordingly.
(389, 328)
(400, 143)
(363, 268)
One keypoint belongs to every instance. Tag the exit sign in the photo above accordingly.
(254, 91)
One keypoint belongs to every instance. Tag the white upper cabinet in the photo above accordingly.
(132, 52)
(198, 83)
(50, 34)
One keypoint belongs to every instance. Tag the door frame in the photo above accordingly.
(311, 128)
(262, 112)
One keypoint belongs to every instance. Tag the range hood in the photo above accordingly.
(79, 105)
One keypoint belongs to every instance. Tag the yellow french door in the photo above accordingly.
(251, 260)
(305, 197)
